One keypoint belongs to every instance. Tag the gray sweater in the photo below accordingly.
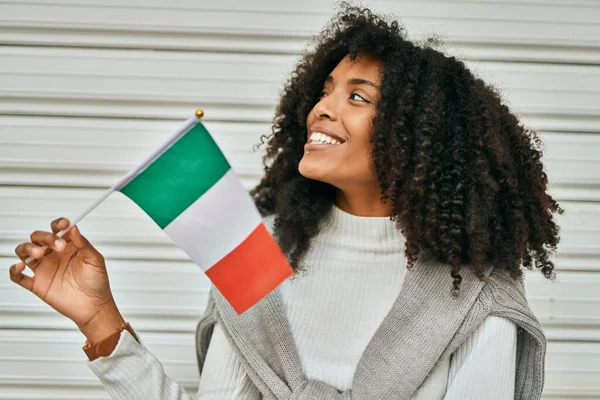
(425, 325)
(352, 274)
(132, 372)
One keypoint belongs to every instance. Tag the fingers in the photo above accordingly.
(84, 247)
(17, 276)
(50, 240)
(42, 243)
(60, 224)
(28, 249)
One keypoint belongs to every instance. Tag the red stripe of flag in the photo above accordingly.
(250, 271)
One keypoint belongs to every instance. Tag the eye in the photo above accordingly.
(322, 94)
(358, 97)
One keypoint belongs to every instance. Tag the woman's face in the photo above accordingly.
(339, 126)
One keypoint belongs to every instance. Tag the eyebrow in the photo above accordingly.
(355, 81)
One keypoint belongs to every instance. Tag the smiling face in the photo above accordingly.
(339, 126)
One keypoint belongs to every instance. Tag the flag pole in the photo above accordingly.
(198, 114)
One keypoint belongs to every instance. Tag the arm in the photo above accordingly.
(222, 376)
(131, 372)
(484, 366)
(70, 275)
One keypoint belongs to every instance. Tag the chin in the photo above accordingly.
(310, 172)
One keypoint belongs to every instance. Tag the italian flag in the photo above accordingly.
(189, 189)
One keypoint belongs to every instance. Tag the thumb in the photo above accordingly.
(85, 248)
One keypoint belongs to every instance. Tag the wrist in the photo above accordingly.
(104, 323)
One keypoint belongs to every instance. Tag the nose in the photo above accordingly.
(326, 108)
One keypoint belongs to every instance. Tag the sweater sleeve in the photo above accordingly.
(484, 366)
(132, 372)
(222, 375)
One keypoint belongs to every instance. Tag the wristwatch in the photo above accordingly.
(105, 347)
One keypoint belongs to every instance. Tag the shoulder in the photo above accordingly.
(504, 296)
(494, 328)
(501, 279)
(492, 333)
(501, 304)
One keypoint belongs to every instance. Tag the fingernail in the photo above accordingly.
(59, 243)
(17, 266)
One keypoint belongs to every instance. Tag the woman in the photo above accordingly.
(406, 196)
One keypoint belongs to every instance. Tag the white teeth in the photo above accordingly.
(321, 138)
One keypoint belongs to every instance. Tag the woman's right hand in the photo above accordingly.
(71, 277)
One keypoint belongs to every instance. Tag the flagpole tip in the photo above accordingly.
(199, 113)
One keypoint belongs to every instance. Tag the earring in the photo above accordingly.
(307, 151)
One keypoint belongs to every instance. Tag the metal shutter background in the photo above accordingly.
(87, 87)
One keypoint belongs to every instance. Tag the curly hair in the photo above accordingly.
(464, 178)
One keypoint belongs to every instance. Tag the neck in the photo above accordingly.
(362, 203)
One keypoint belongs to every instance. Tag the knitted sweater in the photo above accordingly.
(354, 273)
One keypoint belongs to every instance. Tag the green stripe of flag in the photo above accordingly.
(182, 174)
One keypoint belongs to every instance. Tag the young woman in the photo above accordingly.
(406, 196)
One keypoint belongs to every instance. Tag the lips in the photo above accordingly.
(316, 146)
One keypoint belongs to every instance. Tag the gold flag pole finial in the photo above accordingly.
(199, 113)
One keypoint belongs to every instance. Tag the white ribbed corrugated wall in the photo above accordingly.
(87, 87)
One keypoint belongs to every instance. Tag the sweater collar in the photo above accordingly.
(370, 231)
